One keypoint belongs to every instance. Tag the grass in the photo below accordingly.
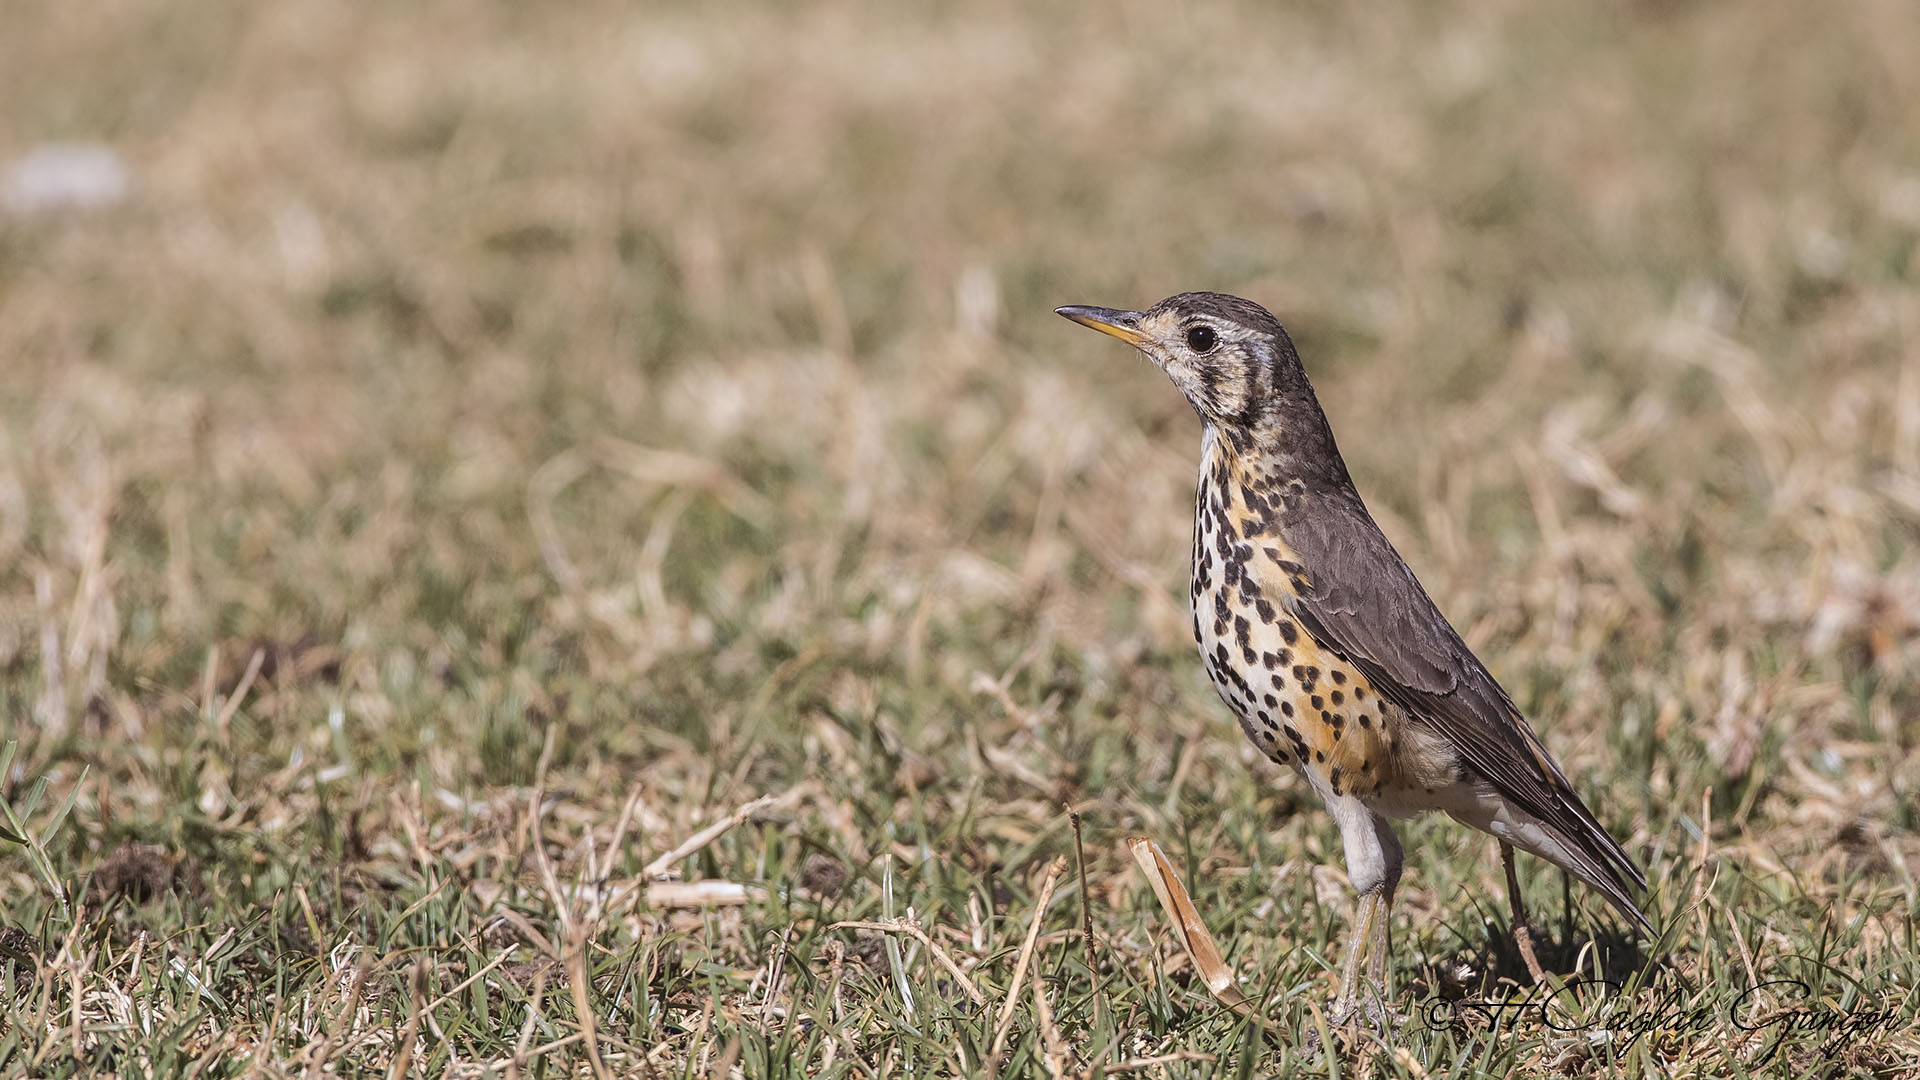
(492, 446)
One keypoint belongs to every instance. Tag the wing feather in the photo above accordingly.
(1363, 602)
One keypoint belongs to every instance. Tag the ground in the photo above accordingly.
(490, 448)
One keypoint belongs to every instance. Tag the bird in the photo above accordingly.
(1326, 647)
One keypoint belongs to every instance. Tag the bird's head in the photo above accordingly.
(1229, 356)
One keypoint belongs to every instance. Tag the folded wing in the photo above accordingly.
(1363, 602)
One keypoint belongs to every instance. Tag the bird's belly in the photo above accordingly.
(1300, 705)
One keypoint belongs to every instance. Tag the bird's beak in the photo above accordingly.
(1124, 325)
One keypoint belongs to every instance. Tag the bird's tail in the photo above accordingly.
(1594, 856)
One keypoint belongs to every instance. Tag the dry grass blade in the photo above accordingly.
(239, 696)
(1140, 1064)
(579, 985)
(1187, 925)
(430, 1007)
(1056, 1047)
(410, 1033)
(715, 831)
(695, 894)
(670, 467)
(1005, 1023)
(320, 1055)
(1086, 911)
(903, 926)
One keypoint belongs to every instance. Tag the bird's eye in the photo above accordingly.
(1200, 339)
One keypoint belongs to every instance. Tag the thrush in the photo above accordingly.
(1323, 643)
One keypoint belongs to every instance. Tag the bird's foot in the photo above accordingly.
(1370, 1012)
(1348, 1020)
(1523, 937)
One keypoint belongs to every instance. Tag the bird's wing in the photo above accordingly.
(1362, 602)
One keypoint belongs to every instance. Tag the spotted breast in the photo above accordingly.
(1300, 704)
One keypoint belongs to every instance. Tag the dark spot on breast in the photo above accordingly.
(1366, 721)
(1337, 675)
(1334, 780)
(1271, 701)
(1320, 756)
(1359, 692)
(1220, 655)
(1319, 704)
(1289, 567)
(1288, 632)
(1241, 628)
(1286, 708)
(1336, 697)
(1269, 660)
(1249, 588)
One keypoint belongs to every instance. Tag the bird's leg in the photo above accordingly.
(1513, 884)
(1358, 940)
(1371, 938)
(1381, 947)
(1522, 931)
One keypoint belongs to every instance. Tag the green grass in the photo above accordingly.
(582, 423)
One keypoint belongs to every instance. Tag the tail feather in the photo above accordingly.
(1591, 854)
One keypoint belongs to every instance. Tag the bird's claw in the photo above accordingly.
(1347, 1020)
(1372, 1012)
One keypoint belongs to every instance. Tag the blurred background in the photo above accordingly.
(384, 387)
